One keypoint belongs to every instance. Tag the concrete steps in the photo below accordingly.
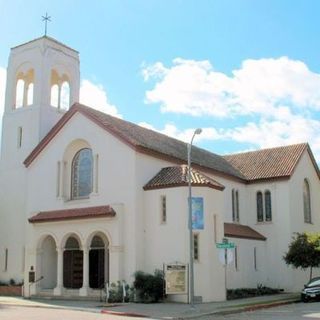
(47, 294)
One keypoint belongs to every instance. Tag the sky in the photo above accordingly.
(245, 71)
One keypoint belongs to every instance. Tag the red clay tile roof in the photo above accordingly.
(73, 214)
(263, 164)
(270, 163)
(142, 140)
(233, 230)
(178, 176)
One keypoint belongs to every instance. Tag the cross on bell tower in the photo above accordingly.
(46, 19)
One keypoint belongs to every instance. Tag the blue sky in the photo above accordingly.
(246, 71)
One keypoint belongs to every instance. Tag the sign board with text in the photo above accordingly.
(225, 245)
(176, 276)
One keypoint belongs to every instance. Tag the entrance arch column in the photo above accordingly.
(85, 285)
(58, 289)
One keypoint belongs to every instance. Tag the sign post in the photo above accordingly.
(225, 256)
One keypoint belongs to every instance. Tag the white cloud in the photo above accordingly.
(258, 87)
(281, 95)
(264, 134)
(95, 96)
(189, 87)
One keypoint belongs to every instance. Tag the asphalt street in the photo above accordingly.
(295, 311)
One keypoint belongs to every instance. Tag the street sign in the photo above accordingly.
(228, 245)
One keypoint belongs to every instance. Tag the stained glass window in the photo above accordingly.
(306, 202)
(196, 246)
(163, 209)
(235, 206)
(82, 174)
(267, 201)
(259, 207)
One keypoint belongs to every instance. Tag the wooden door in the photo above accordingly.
(72, 269)
(96, 268)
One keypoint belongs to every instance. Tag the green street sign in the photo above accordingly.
(228, 245)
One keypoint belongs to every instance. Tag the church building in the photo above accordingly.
(87, 198)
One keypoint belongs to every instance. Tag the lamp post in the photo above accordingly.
(197, 131)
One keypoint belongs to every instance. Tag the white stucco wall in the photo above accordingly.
(169, 243)
(246, 272)
(115, 185)
(304, 170)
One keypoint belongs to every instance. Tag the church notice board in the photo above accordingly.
(176, 276)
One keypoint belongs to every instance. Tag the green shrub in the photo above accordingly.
(250, 292)
(148, 287)
(116, 292)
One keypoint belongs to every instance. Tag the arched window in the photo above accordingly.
(267, 205)
(19, 93)
(72, 244)
(264, 207)
(54, 100)
(65, 96)
(81, 174)
(235, 206)
(259, 206)
(306, 202)
(97, 243)
(30, 94)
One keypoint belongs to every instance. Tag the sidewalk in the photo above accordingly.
(160, 310)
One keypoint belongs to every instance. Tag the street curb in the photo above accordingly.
(125, 314)
(196, 316)
(256, 307)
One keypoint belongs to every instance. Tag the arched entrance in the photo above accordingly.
(72, 264)
(98, 262)
(48, 263)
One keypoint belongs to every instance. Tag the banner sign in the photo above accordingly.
(176, 276)
(197, 213)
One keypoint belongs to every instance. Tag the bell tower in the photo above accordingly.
(42, 83)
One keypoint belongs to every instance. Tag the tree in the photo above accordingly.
(304, 251)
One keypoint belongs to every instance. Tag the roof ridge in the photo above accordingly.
(266, 149)
(200, 161)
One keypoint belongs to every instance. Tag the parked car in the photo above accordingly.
(311, 290)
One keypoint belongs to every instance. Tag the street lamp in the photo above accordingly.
(197, 131)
